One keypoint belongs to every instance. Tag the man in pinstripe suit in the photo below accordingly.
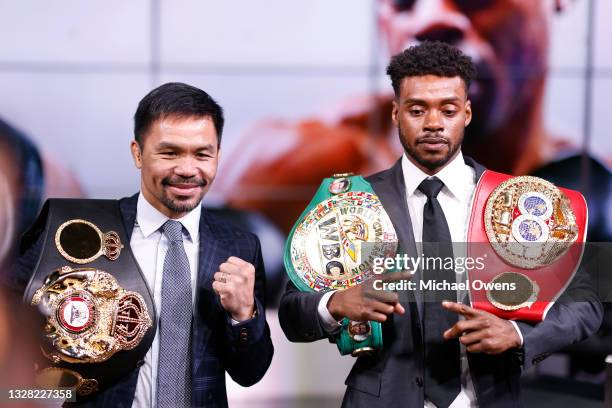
(220, 298)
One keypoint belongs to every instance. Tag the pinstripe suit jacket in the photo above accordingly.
(244, 350)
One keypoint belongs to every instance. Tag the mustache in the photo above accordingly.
(432, 138)
(168, 181)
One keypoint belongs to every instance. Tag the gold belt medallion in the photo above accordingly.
(525, 292)
(529, 222)
(334, 247)
(82, 242)
(89, 316)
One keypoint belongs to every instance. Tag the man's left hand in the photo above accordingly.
(481, 332)
(234, 282)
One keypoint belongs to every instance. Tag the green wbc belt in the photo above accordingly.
(333, 245)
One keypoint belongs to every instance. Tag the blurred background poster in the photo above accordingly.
(305, 94)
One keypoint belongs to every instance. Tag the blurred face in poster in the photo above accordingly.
(26, 177)
(507, 39)
(9, 180)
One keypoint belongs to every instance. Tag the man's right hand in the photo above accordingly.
(362, 302)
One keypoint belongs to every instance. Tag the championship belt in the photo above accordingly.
(530, 234)
(96, 309)
(333, 245)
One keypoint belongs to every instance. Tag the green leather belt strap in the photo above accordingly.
(333, 244)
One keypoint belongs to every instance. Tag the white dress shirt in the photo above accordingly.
(149, 246)
(455, 198)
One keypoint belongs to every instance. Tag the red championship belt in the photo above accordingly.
(529, 234)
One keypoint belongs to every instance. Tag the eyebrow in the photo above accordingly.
(172, 146)
(416, 101)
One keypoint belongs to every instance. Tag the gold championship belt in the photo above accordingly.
(530, 234)
(96, 311)
(333, 246)
(89, 316)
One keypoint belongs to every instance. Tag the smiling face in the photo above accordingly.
(178, 162)
(431, 114)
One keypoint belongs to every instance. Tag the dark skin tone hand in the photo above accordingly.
(481, 332)
(363, 302)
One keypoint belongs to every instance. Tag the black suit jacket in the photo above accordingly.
(243, 350)
(394, 376)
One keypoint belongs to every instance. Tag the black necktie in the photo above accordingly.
(442, 366)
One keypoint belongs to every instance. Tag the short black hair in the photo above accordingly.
(430, 58)
(176, 99)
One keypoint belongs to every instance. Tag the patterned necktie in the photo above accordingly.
(442, 365)
(174, 370)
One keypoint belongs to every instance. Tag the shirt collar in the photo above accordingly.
(150, 219)
(455, 175)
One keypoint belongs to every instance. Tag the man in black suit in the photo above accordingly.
(435, 353)
(210, 297)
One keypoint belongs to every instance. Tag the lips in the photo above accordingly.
(433, 143)
(184, 188)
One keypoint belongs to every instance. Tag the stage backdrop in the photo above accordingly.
(305, 95)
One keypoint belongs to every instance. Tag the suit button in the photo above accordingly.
(139, 363)
(310, 335)
(419, 382)
(244, 335)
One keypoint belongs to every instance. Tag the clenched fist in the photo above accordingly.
(234, 282)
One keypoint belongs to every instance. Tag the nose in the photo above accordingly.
(186, 167)
(433, 122)
(439, 20)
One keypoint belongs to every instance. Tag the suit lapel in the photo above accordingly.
(391, 189)
(213, 251)
(481, 365)
(123, 392)
(479, 169)
(128, 207)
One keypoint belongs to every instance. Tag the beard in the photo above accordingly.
(424, 161)
(178, 205)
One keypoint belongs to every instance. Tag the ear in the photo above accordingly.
(395, 111)
(468, 113)
(136, 154)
